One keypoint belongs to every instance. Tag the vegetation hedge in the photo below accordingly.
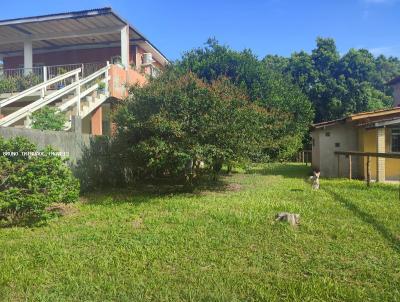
(30, 183)
(48, 118)
(18, 83)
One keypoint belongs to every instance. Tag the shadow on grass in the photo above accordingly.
(285, 170)
(366, 218)
(146, 192)
(361, 185)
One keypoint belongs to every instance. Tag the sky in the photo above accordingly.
(265, 26)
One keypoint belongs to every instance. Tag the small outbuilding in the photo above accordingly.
(366, 132)
(377, 131)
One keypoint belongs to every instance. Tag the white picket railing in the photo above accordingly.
(21, 72)
(40, 87)
(75, 87)
(29, 76)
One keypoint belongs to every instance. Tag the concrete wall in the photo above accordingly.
(396, 94)
(335, 138)
(70, 142)
(315, 150)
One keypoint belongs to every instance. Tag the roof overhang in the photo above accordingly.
(391, 122)
(394, 81)
(363, 119)
(83, 29)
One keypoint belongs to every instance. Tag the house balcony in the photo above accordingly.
(62, 60)
(84, 90)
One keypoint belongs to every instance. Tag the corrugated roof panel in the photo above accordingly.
(133, 35)
(59, 16)
(63, 26)
(93, 23)
(40, 44)
(67, 22)
(100, 21)
(7, 31)
(37, 29)
(80, 23)
(113, 20)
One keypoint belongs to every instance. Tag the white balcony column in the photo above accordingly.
(380, 161)
(125, 46)
(78, 95)
(28, 57)
(107, 80)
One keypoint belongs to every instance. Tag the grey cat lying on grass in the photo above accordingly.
(293, 219)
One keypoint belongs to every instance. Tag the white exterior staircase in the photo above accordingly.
(77, 96)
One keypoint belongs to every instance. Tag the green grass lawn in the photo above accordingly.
(214, 245)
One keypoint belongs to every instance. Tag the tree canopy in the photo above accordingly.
(214, 107)
(339, 85)
(267, 87)
(171, 125)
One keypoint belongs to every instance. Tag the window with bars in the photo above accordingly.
(395, 140)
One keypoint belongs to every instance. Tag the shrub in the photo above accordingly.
(28, 184)
(27, 81)
(265, 87)
(100, 165)
(47, 118)
(101, 86)
(8, 85)
(18, 83)
(168, 127)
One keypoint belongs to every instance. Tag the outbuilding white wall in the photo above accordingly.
(396, 94)
(324, 146)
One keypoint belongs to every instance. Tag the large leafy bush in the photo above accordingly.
(100, 165)
(47, 118)
(29, 182)
(266, 87)
(168, 127)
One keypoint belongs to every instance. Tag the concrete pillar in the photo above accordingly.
(138, 58)
(380, 146)
(125, 46)
(28, 57)
(28, 121)
(97, 121)
(76, 124)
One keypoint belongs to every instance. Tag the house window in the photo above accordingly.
(395, 140)
(337, 145)
(327, 133)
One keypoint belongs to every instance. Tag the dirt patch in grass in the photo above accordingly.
(62, 209)
(230, 187)
(137, 223)
(233, 187)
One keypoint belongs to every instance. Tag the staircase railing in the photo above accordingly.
(92, 88)
(40, 87)
(44, 100)
(19, 79)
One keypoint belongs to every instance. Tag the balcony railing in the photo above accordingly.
(20, 79)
